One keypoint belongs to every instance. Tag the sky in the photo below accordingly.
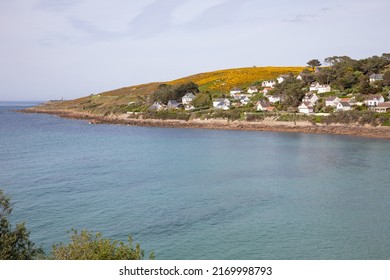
(54, 49)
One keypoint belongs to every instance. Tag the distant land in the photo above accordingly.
(346, 96)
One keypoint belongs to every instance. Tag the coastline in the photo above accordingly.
(382, 132)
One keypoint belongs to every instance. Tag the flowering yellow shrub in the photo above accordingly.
(224, 80)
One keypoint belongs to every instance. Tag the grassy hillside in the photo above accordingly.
(220, 81)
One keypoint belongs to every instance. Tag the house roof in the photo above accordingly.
(189, 95)
(376, 76)
(306, 104)
(345, 104)
(219, 100)
(155, 105)
(310, 95)
(173, 103)
(384, 105)
(331, 98)
(263, 104)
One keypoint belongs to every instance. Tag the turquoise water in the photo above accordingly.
(199, 194)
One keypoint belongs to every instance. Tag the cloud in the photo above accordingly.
(301, 18)
(56, 5)
(190, 10)
(53, 40)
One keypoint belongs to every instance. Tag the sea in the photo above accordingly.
(197, 194)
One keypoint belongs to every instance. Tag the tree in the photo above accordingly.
(202, 100)
(15, 244)
(314, 63)
(87, 245)
(166, 92)
(386, 78)
(291, 92)
(326, 76)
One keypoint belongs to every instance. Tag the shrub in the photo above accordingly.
(89, 246)
(15, 244)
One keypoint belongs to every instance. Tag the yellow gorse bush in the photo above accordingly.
(224, 80)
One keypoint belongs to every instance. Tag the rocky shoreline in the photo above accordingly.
(266, 125)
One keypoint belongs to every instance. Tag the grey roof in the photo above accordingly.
(376, 76)
(155, 106)
(172, 104)
(264, 103)
(189, 95)
(345, 104)
(307, 104)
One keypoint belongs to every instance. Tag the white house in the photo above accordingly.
(310, 97)
(263, 106)
(244, 100)
(343, 106)
(382, 107)
(172, 104)
(300, 77)
(306, 108)
(267, 90)
(273, 98)
(252, 90)
(268, 84)
(235, 91)
(314, 86)
(188, 98)
(332, 101)
(351, 101)
(189, 107)
(376, 77)
(157, 106)
(281, 78)
(374, 100)
(221, 103)
(320, 88)
(324, 88)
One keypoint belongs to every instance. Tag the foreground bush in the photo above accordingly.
(15, 243)
(87, 245)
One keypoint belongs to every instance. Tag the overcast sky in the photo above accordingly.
(71, 48)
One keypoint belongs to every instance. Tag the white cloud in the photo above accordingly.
(191, 9)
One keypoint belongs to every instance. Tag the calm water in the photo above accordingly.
(199, 194)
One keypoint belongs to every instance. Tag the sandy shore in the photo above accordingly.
(265, 125)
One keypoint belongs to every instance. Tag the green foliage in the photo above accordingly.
(291, 92)
(231, 115)
(87, 245)
(202, 100)
(357, 117)
(167, 115)
(348, 79)
(15, 244)
(373, 64)
(314, 63)
(386, 78)
(253, 117)
(166, 92)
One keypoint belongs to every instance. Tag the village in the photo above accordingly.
(319, 99)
